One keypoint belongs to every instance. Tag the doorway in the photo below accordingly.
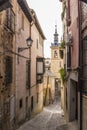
(26, 106)
(32, 106)
(73, 100)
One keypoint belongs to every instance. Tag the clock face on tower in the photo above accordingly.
(55, 54)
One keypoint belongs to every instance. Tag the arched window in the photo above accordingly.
(55, 54)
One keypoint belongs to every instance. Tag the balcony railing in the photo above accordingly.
(55, 44)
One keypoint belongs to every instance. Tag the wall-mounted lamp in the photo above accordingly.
(29, 42)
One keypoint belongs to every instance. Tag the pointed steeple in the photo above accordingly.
(56, 36)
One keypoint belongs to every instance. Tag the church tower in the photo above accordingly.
(56, 61)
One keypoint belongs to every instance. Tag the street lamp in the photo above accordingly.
(29, 41)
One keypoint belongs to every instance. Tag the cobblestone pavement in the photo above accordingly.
(70, 126)
(49, 119)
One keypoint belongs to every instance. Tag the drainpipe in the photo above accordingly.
(80, 62)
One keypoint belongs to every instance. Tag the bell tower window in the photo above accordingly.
(55, 54)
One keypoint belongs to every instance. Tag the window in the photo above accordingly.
(8, 70)
(68, 58)
(37, 97)
(39, 69)
(32, 106)
(28, 74)
(20, 103)
(10, 19)
(37, 43)
(55, 54)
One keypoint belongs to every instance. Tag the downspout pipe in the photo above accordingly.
(80, 64)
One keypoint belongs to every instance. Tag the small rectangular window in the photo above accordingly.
(32, 100)
(37, 43)
(37, 97)
(20, 103)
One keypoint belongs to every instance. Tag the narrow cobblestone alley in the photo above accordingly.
(49, 119)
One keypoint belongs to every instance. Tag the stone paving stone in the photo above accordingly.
(48, 119)
(69, 126)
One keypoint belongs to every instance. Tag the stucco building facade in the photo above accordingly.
(29, 97)
(74, 23)
(7, 67)
(71, 37)
(21, 67)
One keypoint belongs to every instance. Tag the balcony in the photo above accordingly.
(55, 44)
(4, 4)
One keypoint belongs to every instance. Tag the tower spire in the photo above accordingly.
(56, 36)
(55, 28)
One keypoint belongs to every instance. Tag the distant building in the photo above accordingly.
(49, 84)
(56, 61)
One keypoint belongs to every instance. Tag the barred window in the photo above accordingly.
(10, 19)
(8, 70)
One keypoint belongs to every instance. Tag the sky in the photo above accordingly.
(48, 13)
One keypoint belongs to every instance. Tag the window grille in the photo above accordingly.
(10, 19)
(8, 70)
